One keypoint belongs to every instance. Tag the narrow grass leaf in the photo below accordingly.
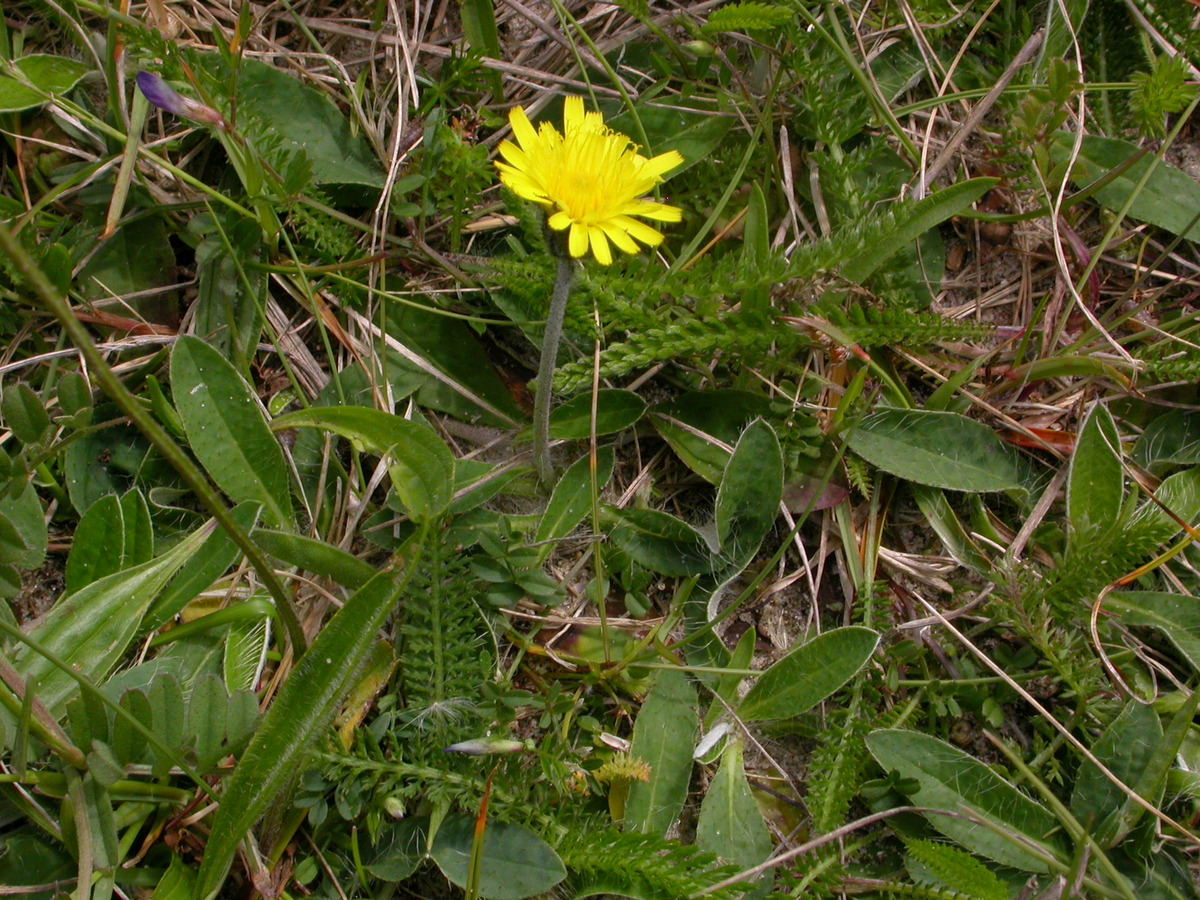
(206, 565)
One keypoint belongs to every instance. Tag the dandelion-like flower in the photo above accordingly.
(590, 179)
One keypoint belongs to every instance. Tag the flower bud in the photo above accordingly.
(162, 95)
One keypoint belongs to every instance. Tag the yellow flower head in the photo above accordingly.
(589, 178)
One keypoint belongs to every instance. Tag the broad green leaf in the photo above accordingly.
(694, 133)
(91, 629)
(137, 257)
(28, 858)
(12, 545)
(750, 491)
(475, 483)
(1170, 440)
(139, 530)
(663, 737)
(1180, 493)
(177, 882)
(662, 543)
(24, 413)
(168, 712)
(206, 719)
(46, 74)
(231, 285)
(697, 424)
(205, 566)
(128, 744)
(1169, 199)
(304, 706)
(1126, 747)
(730, 824)
(939, 449)
(479, 26)
(316, 557)
(399, 849)
(1149, 781)
(956, 782)
(913, 220)
(808, 674)
(516, 862)
(104, 461)
(302, 119)
(1096, 484)
(572, 497)
(24, 512)
(98, 546)
(227, 430)
(615, 411)
(1176, 615)
(466, 384)
(420, 463)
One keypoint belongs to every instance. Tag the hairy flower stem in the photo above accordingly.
(544, 386)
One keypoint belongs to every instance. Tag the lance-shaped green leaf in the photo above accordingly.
(956, 782)
(940, 449)
(228, 431)
(1095, 487)
(663, 737)
(572, 497)
(913, 220)
(91, 629)
(808, 674)
(751, 488)
(304, 706)
(420, 463)
(515, 862)
(730, 824)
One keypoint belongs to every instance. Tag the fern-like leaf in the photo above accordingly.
(642, 866)
(747, 16)
(956, 870)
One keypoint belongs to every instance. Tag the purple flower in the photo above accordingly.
(162, 95)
